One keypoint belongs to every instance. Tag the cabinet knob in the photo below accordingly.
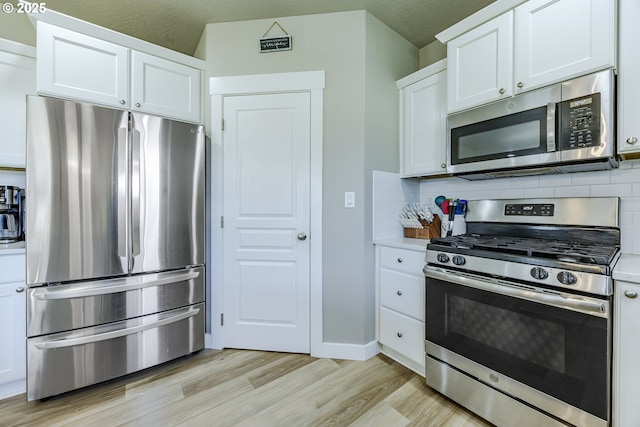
(520, 85)
(399, 293)
(501, 91)
(443, 165)
(399, 259)
(137, 104)
(20, 289)
(631, 294)
(632, 140)
(399, 334)
(122, 101)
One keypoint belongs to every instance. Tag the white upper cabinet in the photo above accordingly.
(77, 66)
(480, 64)
(164, 87)
(556, 40)
(17, 80)
(423, 115)
(538, 43)
(628, 81)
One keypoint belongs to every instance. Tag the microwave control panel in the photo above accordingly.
(580, 122)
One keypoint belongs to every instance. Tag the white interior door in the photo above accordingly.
(266, 276)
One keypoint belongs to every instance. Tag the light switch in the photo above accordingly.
(349, 199)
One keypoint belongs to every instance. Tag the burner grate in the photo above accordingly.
(567, 251)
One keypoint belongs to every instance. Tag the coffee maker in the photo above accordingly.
(11, 214)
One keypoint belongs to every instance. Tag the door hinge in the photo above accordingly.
(221, 319)
(222, 124)
(221, 222)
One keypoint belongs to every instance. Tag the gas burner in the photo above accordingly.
(565, 251)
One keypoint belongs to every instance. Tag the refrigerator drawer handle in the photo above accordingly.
(71, 342)
(47, 294)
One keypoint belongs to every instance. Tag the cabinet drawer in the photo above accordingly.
(402, 292)
(12, 267)
(402, 334)
(405, 260)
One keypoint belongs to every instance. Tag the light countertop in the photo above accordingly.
(404, 243)
(12, 248)
(627, 268)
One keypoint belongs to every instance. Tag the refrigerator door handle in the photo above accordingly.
(136, 190)
(71, 342)
(123, 209)
(118, 285)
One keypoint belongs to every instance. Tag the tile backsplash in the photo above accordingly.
(391, 193)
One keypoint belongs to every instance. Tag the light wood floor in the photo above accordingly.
(250, 388)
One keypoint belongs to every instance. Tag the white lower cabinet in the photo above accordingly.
(13, 321)
(626, 342)
(400, 285)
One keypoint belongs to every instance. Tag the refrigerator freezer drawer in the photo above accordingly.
(62, 362)
(62, 308)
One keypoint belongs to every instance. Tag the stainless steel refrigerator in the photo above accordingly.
(115, 243)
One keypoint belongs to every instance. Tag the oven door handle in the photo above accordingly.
(586, 305)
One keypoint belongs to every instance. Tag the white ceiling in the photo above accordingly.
(178, 24)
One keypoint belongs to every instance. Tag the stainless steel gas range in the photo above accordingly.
(519, 311)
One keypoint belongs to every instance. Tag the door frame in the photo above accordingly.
(219, 87)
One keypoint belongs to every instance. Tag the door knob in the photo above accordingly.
(302, 236)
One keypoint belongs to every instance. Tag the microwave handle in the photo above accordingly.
(551, 127)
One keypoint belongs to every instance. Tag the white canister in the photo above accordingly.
(459, 226)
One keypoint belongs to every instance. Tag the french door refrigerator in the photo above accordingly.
(115, 243)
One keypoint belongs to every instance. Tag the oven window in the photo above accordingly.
(517, 134)
(559, 352)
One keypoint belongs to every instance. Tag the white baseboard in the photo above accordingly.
(329, 350)
(12, 389)
(350, 351)
(209, 342)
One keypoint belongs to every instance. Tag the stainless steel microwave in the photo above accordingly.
(567, 127)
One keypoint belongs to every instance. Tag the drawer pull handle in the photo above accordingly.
(399, 334)
(631, 294)
(20, 289)
(399, 293)
(399, 259)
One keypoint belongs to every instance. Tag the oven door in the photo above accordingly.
(541, 347)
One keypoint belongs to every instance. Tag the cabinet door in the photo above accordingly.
(80, 67)
(480, 64)
(17, 79)
(12, 333)
(423, 144)
(559, 39)
(165, 88)
(402, 334)
(628, 81)
(626, 411)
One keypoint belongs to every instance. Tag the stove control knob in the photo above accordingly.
(539, 273)
(443, 258)
(458, 260)
(567, 278)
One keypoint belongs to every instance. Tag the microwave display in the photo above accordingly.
(580, 122)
